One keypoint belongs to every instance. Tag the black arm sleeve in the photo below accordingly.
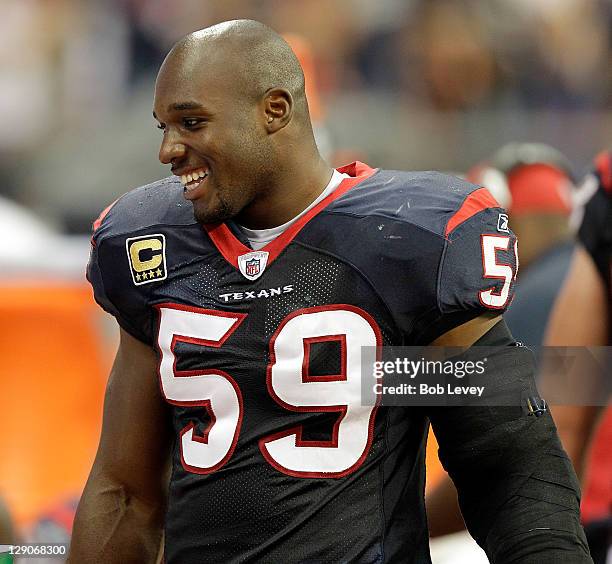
(518, 492)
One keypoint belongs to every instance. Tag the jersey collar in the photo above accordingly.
(231, 247)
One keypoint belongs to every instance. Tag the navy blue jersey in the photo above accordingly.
(596, 229)
(276, 459)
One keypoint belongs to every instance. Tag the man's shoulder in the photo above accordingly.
(134, 243)
(426, 199)
(159, 203)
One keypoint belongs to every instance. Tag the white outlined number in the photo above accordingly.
(496, 270)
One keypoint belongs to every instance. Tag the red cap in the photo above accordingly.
(539, 187)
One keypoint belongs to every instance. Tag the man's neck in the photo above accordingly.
(293, 191)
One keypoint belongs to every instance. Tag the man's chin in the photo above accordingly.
(208, 215)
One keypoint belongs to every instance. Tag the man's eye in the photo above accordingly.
(191, 122)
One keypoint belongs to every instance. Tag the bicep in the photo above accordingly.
(468, 333)
(577, 318)
(135, 440)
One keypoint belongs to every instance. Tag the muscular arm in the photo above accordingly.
(579, 318)
(120, 515)
(443, 513)
(517, 490)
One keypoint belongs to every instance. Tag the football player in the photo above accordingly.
(246, 286)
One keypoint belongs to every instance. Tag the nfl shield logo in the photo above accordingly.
(252, 267)
(253, 264)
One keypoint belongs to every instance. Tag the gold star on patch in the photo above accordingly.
(151, 274)
(138, 277)
(158, 272)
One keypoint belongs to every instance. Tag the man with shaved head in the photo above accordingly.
(226, 77)
(246, 286)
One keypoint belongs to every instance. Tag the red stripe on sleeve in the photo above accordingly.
(477, 201)
(98, 222)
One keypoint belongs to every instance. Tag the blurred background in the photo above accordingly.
(407, 84)
(410, 84)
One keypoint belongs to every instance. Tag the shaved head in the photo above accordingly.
(231, 102)
(246, 53)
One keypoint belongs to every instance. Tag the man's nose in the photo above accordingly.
(171, 148)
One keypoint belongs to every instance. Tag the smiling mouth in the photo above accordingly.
(193, 180)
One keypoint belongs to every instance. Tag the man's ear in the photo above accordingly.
(278, 108)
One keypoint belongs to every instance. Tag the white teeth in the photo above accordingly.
(193, 176)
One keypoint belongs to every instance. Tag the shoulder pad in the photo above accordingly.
(431, 200)
(158, 203)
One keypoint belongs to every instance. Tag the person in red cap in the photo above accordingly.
(535, 183)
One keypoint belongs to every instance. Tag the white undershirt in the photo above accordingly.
(261, 237)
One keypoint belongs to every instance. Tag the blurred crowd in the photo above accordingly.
(436, 84)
